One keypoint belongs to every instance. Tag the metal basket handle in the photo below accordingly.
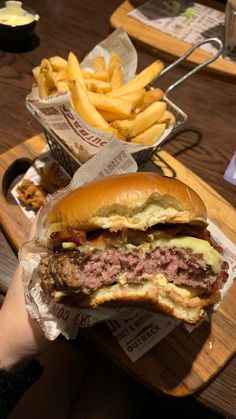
(195, 69)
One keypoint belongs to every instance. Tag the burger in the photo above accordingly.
(136, 240)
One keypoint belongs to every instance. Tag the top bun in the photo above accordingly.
(135, 200)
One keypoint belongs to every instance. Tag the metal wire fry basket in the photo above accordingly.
(71, 163)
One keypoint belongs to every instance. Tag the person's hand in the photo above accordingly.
(20, 337)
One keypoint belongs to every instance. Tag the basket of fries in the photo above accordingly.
(82, 106)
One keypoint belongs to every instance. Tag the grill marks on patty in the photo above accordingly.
(71, 271)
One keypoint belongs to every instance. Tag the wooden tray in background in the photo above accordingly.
(181, 363)
(167, 44)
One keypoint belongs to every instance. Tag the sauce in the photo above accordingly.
(13, 14)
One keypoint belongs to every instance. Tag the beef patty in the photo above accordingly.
(74, 272)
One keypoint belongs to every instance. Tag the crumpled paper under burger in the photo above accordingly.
(56, 115)
(57, 318)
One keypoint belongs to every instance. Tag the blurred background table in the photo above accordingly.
(205, 145)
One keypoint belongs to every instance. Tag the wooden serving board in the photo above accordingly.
(181, 363)
(167, 44)
(13, 221)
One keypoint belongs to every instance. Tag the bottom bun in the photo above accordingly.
(157, 295)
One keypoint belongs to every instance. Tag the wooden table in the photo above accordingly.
(205, 146)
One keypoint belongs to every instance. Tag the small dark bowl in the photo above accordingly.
(18, 33)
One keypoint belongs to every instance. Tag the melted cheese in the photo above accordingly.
(198, 246)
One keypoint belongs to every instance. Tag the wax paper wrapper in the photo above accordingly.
(62, 123)
(57, 318)
(137, 331)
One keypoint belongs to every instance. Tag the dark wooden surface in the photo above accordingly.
(205, 146)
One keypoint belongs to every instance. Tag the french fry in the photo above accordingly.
(36, 72)
(141, 80)
(46, 69)
(150, 116)
(110, 104)
(58, 63)
(114, 116)
(135, 97)
(114, 62)
(74, 70)
(149, 136)
(42, 86)
(62, 74)
(84, 107)
(167, 118)
(99, 63)
(98, 86)
(61, 81)
(117, 79)
(101, 75)
(115, 71)
(152, 95)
